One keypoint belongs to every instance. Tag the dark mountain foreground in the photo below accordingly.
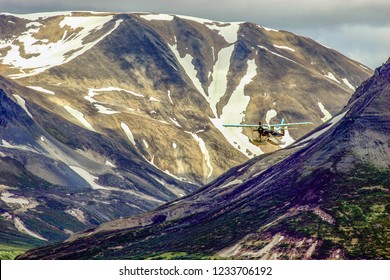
(326, 197)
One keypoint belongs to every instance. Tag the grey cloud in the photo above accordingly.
(332, 22)
(292, 12)
(363, 43)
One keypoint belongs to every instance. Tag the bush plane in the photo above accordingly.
(268, 133)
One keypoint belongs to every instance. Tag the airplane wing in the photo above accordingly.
(241, 125)
(289, 124)
(266, 126)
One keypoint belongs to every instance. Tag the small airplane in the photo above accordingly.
(269, 133)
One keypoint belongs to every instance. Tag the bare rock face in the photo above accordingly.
(325, 197)
(108, 115)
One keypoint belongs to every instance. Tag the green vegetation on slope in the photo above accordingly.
(360, 208)
(8, 252)
(13, 242)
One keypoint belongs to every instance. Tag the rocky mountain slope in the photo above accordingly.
(57, 178)
(167, 83)
(325, 197)
(107, 115)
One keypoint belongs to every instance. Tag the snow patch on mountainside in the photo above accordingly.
(270, 115)
(36, 16)
(8, 197)
(145, 144)
(154, 99)
(128, 132)
(176, 177)
(175, 190)
(279, 55)
(233, 113)
(151, 161)
(42, 90)
(109, 163)
(169, 96)
(105, 110)
(228, 32)
(218, 86)
(195, 19)
(151, 17)
(6, 144)
(89, 97)
(332, 77)
(287, 139)
(232, 183)
(327, 115)
(205, 152)
(22, 103)
(22, 228)
(43, 55)
(88, 177)
(189, 68)
(268, 29)
(164, 122)
(78, 214)
(348, 84)
(92, 92)
(284, 48)
(175, 122)
(80, 117)
(107, 89)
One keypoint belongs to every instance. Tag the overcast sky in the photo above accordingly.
(360, 29)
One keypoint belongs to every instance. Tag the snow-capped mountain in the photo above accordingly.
(167, 83)
(106, 115)
(325, 197)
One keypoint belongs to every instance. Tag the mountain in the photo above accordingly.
(57, 178)
(167, 83)
(325, 197)
(108, 115)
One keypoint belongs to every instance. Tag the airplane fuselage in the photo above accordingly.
(267, 133)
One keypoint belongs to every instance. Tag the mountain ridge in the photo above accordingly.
(134, 104)
(51, 174)
(324, 200)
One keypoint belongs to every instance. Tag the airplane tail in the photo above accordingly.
(282, 122)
